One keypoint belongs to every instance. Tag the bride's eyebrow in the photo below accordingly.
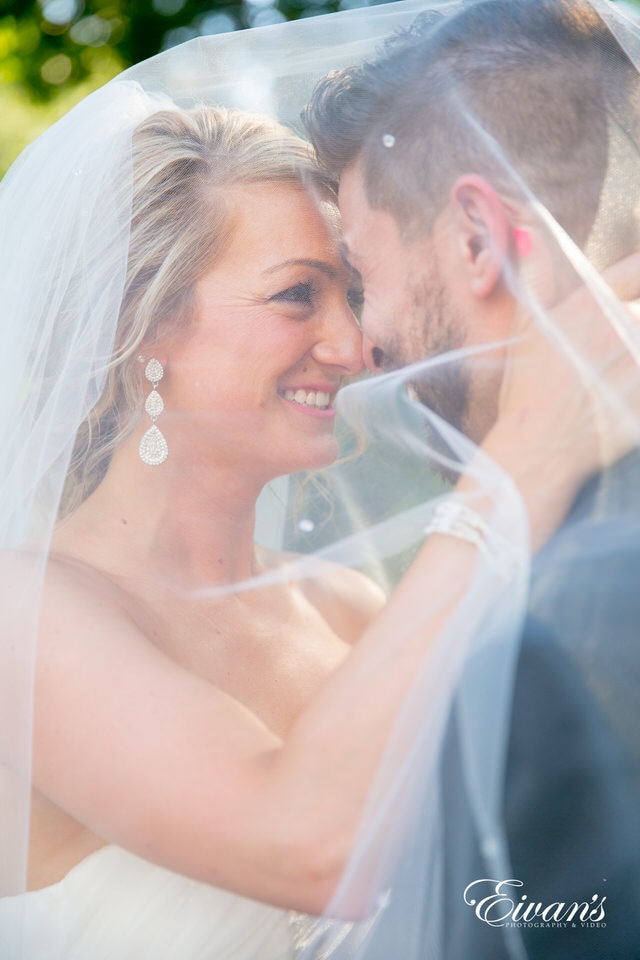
(326, 268)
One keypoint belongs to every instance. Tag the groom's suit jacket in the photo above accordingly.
(572, 783)
(571, 799)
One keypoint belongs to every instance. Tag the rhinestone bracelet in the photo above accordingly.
(455, 519)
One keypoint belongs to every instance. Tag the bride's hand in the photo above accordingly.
(570, 398)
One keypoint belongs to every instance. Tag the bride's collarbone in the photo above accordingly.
(286, 632)
(269, 648)
(272, 654)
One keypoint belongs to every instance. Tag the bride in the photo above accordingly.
(201, 744)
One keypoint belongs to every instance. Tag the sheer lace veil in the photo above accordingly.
(65, 225)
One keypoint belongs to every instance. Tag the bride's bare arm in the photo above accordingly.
(156, 759)
(151, 757)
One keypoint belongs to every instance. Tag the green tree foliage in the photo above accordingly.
(49, 46)
(54, 52)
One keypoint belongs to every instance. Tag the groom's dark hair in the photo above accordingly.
(539, 87)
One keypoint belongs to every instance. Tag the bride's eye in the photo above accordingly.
(301, 293)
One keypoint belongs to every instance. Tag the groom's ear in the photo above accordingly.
(481, 227)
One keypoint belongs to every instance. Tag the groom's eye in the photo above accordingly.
(299, 293)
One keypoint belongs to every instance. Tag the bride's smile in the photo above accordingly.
(251, 379)
(315, 399)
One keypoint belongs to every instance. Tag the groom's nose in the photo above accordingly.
(372, 355)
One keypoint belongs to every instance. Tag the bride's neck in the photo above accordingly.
(193, 526)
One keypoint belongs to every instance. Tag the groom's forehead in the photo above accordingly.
(364, 227)
(357, 216)
(372, 236)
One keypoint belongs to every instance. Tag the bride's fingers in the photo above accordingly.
(582, 311)
(624, 277)
(571, 380)
(559, 357)
(584, 322)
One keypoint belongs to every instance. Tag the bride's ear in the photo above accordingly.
(158, 343)
(149, 352)
(482, 232)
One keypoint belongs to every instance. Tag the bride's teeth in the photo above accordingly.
(312, 398)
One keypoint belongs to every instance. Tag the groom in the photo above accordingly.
(425, 140)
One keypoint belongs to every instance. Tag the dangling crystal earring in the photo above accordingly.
(153, 447)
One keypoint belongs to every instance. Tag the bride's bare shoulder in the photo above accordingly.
(28, 577)
(78, 602)
(69, 576)
(347, 599)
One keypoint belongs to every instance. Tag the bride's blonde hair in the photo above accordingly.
(184, 163)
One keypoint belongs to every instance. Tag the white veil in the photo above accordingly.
(437, 810)
(475, 850)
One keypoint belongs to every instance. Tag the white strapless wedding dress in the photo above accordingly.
(116, 906)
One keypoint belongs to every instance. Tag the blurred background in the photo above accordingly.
(54, 52)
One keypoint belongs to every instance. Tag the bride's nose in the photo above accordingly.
(339, 342)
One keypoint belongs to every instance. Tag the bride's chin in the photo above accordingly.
(322, 456)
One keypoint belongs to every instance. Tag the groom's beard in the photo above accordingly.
(434, 328)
